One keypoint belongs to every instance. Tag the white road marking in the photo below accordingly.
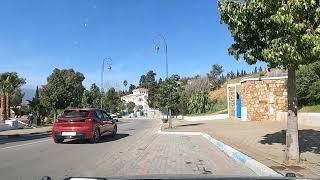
(10, 147)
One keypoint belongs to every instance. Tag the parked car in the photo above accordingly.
(87, 124)
(119, 115)
(115, 117)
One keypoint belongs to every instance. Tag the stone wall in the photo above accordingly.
(264, 98)
(231, 95)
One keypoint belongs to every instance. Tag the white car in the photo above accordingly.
(114, 116)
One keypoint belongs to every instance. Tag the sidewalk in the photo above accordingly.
(263, 141)
(22, 132)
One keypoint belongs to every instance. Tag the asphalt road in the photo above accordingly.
(137, 150)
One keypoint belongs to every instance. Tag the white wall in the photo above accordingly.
(308, 119)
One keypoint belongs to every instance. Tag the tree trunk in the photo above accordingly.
(292, 143)
(7, 105)
(169, 116)
(54, 115)
(3, 106)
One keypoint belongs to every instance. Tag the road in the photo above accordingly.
(137, 150)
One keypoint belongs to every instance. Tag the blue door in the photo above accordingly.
(239, 107)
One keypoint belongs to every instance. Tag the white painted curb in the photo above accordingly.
(257, 167)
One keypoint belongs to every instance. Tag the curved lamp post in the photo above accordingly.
(106, 62)
(157, 48)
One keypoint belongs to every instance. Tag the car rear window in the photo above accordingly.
(74, 113)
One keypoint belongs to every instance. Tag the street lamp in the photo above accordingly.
(105, 62)
(157, 49)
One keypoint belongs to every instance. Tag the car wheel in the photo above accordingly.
(58, 140)
(95, 137)
(114, 132)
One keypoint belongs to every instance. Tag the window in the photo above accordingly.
(99, 114)
(74, 113)
(106, 115)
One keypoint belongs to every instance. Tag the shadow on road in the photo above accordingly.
(23, 137)
(103, 139)
(309, 140)
(184, 125)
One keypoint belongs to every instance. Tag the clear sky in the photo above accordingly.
(38, 35)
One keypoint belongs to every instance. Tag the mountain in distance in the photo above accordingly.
(28, 94)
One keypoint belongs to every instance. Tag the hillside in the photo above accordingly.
(221, 93)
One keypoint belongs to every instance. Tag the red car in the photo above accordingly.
(88, 124)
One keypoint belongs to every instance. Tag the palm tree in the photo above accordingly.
(14, 83)
(125, 83)
(9, 83)
(3, 78)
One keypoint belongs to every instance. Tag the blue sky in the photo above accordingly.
(37, 36)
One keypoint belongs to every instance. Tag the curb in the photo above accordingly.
(2, 137)
(257, 167)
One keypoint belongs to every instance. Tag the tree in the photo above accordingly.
(168, 96)
(130, 107)
(283, 34)
(63, 89)
(9, 83)
(308, 81)
(111, 101)
(149, 82)
(92, 97)
(125, 83)
(16, 100)
(213, 75)
(160, 81)
(238, 74)
(232, 75)
(255, 69)
(260, 69)
(131, 88)
(37, 108)
(197, 85)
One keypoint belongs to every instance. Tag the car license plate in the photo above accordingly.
(68, 133)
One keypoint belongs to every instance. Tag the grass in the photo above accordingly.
(224, 111)
(311, 108)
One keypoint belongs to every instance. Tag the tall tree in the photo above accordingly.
(37, 108)
(215, 72)
(9, 83)
(160, 81)
(260, 69)
(92, 97)
(125, 83)
(111, 101)
(149, 81)
(238, 74)
(255, 69)
(169, 96)
(308, 84)
(131, 88)
(232, 75)
(281, 33)
(63, 89)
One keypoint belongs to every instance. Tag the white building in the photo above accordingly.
(139, 97)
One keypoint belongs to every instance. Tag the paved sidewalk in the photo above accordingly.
(263, 141)
(21, 132)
